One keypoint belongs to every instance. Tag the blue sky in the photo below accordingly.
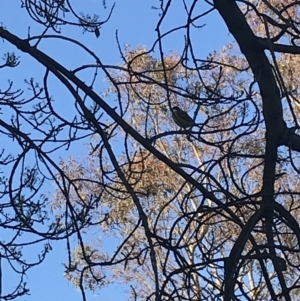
(135, 22)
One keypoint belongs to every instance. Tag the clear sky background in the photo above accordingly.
(135, 22)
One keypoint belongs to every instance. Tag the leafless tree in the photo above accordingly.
(208, 213)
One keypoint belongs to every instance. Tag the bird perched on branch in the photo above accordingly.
(181, 118)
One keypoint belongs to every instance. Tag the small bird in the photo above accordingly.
(181, 118)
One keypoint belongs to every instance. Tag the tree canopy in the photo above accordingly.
(206, 213)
